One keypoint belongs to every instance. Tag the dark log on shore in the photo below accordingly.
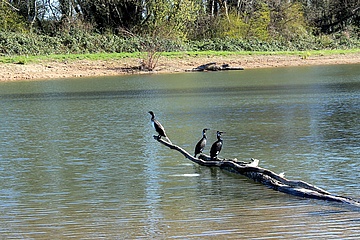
(213, 67)
(264, 176)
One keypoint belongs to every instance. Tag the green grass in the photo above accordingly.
(291, 53)
(114, 56)
(66, 57)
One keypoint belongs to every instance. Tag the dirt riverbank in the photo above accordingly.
(86, 68)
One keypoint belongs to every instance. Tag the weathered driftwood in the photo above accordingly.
(270, 179)
(213, 67)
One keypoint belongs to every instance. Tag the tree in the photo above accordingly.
(169, 19)
(182, 20)
(111, 15)
(10, 20)
(288, 21)
(332, 16)
(247, 26)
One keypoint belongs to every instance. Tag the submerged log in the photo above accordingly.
(213, 67)
(264, 176)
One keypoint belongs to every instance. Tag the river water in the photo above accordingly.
(78, 161)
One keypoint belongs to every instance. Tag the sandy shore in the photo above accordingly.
(87, 68)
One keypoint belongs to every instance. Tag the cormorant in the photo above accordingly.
(216, 147)
(158, 127)
(201, 144)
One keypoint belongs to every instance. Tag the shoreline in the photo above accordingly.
(48, 70)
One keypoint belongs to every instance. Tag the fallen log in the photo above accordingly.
(213, 67)
(264, 176)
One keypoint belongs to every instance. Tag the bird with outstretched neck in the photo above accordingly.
(217, 146)
(199, 148)
(158, 127)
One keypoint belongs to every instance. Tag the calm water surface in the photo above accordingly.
(77, 157)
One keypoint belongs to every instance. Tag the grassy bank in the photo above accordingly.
(195, 54)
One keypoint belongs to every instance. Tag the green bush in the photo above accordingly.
(10, 20)
(12, 44)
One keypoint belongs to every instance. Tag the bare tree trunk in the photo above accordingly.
(270, 179)
(224, 6)
(31, 12)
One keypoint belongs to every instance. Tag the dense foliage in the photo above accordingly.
(40, 27)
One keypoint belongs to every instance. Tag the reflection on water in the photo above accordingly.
(77, 159)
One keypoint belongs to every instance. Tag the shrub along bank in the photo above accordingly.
(15, 43)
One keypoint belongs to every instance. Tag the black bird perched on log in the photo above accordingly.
(158, 127)
(201, 144)
(216, 147)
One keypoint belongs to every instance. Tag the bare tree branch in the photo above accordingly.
(264, 176)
